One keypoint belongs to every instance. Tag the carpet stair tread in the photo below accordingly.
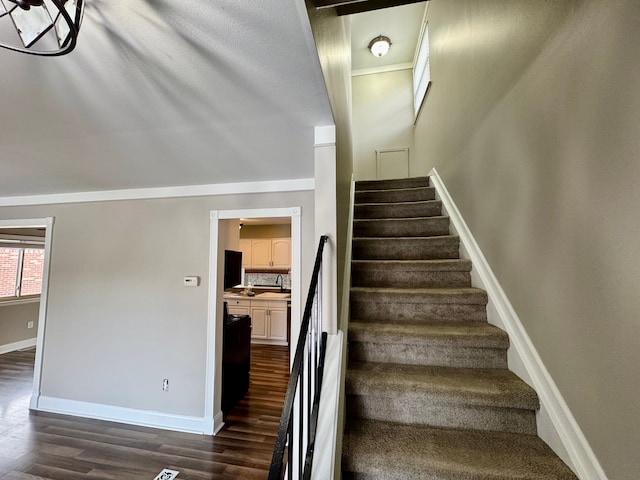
(411, 273)
(455, 334)
(387, 451)
(406, 248)
(468, 386)
(407, 227)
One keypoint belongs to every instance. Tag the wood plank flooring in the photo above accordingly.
(56, 447)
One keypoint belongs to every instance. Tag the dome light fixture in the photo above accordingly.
(379, 46)
(40, 27)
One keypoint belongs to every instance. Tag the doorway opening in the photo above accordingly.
(26, 245)
(225, 232)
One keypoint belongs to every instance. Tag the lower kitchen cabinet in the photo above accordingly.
(238, 306)
(268, 318)
(259, 319)
(278, 323)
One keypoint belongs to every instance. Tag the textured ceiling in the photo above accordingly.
(164, 93)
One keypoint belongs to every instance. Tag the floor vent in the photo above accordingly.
(167, 474)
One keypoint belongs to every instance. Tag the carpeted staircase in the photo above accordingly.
(429, 395)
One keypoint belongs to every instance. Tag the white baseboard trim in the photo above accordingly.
(218, 422)
(131, 416)
(12, 347)
(573, 442)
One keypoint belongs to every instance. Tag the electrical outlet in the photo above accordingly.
(165, 385)
(29, 324)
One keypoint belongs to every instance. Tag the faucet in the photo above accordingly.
(281, 282)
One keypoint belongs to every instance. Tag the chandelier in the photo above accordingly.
(40, 27)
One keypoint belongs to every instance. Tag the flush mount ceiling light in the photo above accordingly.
(379, 46)
(40, 27)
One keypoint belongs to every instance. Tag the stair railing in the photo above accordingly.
(299, 420)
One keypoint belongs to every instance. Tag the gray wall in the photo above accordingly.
(13, 322)
(532, 122)
(119, 319)
(382, 118)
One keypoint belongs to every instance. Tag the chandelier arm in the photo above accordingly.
(67, 46)
(10, 11)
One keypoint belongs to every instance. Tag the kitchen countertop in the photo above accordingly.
(259, 296)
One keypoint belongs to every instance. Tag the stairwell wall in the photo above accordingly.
(332, 35)
(382, 118)
(531, 121)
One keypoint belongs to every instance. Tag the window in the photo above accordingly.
(421, 71)
(20, 272)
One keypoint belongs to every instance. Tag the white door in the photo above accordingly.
(392, 163)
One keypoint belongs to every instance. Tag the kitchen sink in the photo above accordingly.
(274, 295)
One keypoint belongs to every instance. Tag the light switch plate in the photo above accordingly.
(191, 281)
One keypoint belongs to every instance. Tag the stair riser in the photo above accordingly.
(398, 210)
(417, 312)
(422, 297)
(392, 183)
(426, 227)
(427, 411)
(393, 196)
(432, 355)
(396, 278)
(433, 248)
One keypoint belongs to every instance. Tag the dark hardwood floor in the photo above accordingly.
(57, 447)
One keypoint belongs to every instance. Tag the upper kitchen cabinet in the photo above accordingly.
(266, 252)
(245, 248)
(281, 252)
(261, 253)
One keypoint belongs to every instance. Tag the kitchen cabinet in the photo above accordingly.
(259, 320)
(245, 248)
(268, 317)
(278, 322)
(261, 253)
(238, 306)
(281, 252)
(266, 252)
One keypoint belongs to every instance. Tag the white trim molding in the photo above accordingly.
(324, 135)
(213, 420)
(131, 416)
(384, 69)
(12, 347)
(46, 222)
(524, 359)
(19, 301)
(267, 186)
